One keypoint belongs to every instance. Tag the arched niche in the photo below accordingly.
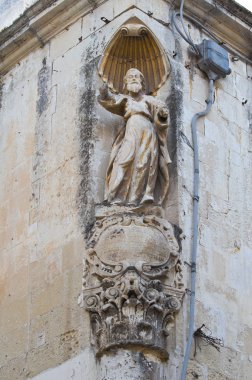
(134, 45)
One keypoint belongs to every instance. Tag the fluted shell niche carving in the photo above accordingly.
(134, 45)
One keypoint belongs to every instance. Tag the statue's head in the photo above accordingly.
(134, 81)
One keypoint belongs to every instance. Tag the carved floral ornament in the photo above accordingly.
(132, 281)
(132, 300)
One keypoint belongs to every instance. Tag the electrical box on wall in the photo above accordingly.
(213, 59)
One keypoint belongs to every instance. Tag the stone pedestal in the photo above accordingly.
(132, 282)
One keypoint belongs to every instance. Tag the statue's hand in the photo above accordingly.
(104, 91)
(163, 113)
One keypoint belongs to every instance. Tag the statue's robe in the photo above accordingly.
(138, 167)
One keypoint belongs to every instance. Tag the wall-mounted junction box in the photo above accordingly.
(213, 59)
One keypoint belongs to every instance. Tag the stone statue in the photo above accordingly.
(138, 167)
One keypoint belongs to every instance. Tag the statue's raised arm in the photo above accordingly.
(112, 103)
(104, 92)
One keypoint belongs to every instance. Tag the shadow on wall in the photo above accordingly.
(86, 123)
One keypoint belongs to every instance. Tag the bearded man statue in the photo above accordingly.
(138, 167)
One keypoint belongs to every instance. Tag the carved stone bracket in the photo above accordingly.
(132, 280)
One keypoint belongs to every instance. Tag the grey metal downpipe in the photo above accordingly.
(195, 118)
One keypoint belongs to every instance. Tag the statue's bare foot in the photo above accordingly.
(133, 203)
(117, 201)
(147, 199)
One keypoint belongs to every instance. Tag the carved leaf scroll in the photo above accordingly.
(132, 293)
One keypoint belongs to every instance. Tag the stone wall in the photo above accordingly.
(54, 149)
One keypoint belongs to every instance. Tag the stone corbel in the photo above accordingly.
(132, 295)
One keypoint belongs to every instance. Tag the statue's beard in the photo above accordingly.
(134, 87)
